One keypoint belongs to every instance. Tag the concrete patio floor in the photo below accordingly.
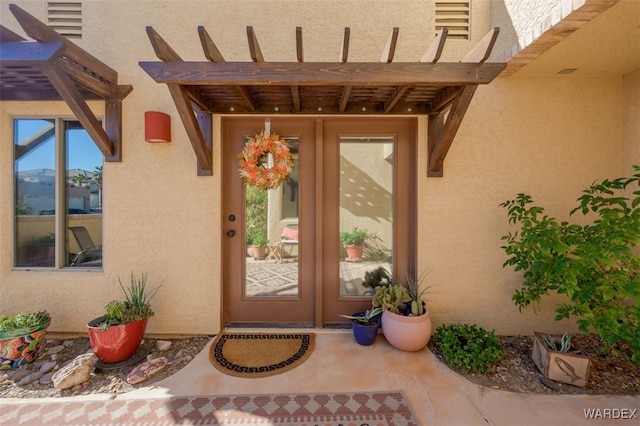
(437, 395)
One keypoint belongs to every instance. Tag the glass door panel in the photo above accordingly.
(366, 210)
(271, 233)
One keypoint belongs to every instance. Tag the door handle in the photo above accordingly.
(231, 233)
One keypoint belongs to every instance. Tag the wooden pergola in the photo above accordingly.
(54, 68)
(443, 91)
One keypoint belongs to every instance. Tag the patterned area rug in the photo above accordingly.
(326, 409)
(259, 354)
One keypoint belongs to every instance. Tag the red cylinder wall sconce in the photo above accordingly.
(157, 127)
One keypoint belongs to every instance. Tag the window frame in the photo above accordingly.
(62, 235)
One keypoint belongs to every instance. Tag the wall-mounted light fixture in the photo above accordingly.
(157, 127)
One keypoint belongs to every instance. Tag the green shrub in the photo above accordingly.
(468, 347)
(596, 265)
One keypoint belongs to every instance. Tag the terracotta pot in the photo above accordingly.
(20, 346)
(258, 252)
(354, 252)
(406, 333)
(118, 342)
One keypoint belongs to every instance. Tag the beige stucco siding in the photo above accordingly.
(549, 136)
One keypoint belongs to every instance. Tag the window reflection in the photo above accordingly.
(366, 210)
(36, 178)
(271, 233)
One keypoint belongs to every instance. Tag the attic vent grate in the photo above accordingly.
(65, 17)
(455, 15)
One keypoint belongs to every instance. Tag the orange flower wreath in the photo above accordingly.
(254, 153)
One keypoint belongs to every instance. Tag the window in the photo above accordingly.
(57, 195)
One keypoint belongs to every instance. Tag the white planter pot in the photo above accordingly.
(406, 333)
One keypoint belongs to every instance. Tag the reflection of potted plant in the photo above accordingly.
(406, 322)
(116, 335)
(258, 245)
(20, 338)
(353, 241)
(365, 325)
(558, 359)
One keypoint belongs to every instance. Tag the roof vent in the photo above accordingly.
(455, 15)
(65, 17)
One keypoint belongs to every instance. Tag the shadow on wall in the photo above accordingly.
(361, 195)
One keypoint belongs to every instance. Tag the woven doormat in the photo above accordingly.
(326, 409)
(259, 354)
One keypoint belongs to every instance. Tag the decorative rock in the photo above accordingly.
(55, 349)
(179, 354)
(19, 374)
(145, 370)
(47, 366)
(47, 378)
(76, 372)
(549, 383)
(30, 378)
(163, 345)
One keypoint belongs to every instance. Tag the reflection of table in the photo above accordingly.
(274, 252)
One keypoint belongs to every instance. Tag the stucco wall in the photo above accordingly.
(631, 120)
(546, 136)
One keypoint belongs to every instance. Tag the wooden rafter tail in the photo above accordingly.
(211, 51)
(299, 50)
(483, 49)
(433, 52)
(295, 90)
(390, 48)
(41, 32)
(7, 35)
(163, 51)
(254, 47)
(344, 49)
(441, 138)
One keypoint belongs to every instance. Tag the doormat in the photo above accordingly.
(259, 354)
(326, 409)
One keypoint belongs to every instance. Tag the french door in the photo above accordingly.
(348, 174)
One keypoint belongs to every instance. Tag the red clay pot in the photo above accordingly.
(118, 342)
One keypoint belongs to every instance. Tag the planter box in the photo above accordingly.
(562, 367)
(21, 346)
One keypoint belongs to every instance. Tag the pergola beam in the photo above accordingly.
(322, 73)
(54, 68)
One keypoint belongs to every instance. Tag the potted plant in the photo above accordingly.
(365, 325)
(558, 359)
(406, 323)
(20, 338)
(374, 278)
(353, 241)
(117, 334)
(258, 245)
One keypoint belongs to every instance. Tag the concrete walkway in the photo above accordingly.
(437, 395)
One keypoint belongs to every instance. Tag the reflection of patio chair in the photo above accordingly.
(289, 240)
(90, 253)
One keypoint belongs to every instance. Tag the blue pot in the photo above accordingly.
(365, 335)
